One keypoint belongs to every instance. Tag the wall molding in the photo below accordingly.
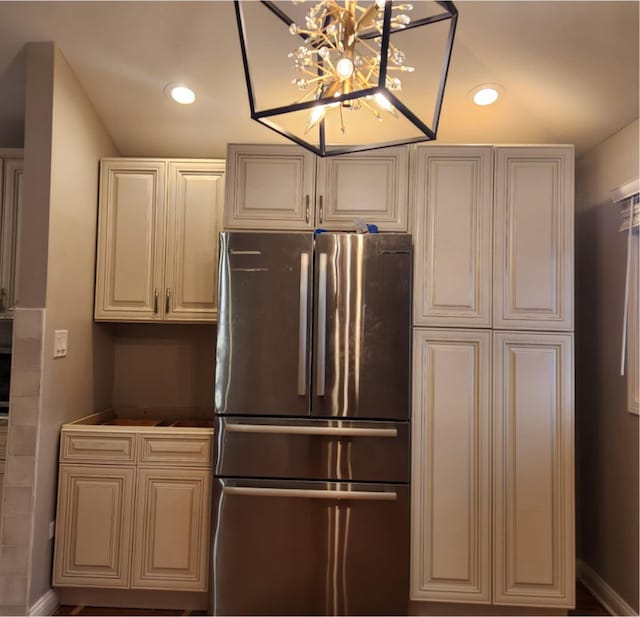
(46, 605)
(605, 594)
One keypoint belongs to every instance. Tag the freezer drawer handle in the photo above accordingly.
(322, 325)
(331, 431)
(251, 491)
(302, 332)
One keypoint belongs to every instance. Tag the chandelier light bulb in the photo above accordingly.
(344, 68)
(383, 102)
(317, 113)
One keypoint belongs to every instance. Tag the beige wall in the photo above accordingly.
(163, 366)
(34, 232)
(606, 434)
(81, 382)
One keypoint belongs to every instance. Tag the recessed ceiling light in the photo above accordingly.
(486, 94)
(181, 94)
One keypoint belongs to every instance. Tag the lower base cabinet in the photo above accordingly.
(171, 541)
(134, 526)
(94, 523)
(493, 467)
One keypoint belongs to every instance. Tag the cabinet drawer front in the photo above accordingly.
(104, 448)
(178, 450)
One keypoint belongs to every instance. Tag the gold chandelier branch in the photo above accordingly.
(335, 60)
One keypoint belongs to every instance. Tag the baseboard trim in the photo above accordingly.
(606, 595)
(46, 605)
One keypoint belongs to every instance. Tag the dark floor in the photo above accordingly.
(586, 604)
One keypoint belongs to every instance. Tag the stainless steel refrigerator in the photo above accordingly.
(312, 400)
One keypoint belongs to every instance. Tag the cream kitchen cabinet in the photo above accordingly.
(288, 188)
(534, 559)
(94, 526)
(452, 195)
(510, 410)
(533, 273)
(451, 483)
(171, 540)
(134, 507)
(11, 187)
(158, 240)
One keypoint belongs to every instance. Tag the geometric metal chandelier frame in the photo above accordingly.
(428, 131)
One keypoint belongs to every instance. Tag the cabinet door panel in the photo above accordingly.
(534, 239)
(269, 187)
(451, 466)
(94, 521)
(172, 529)
(452, 196)
(533, 469)
(11, 202)
(130, 239)
(371, 186)
(196, 190)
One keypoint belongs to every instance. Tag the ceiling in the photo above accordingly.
(569, 71)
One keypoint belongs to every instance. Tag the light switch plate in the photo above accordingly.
(60, 343)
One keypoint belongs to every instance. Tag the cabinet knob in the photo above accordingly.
(306, 207)
(167, 304)
(321, 208)
(156, 294)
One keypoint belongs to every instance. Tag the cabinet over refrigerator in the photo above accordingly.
(312, 401)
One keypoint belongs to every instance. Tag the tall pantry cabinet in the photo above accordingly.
(493, 507)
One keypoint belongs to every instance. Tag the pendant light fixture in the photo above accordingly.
(338, 76)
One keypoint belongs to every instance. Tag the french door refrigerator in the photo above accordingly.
(312, 400)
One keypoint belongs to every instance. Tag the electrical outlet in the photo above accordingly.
(52, 529)
(60, 341)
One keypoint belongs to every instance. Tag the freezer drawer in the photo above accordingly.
(310, 548)
(312, 449)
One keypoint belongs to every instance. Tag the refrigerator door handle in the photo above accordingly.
(302, 332)
(321, 347)
(303, 493)
(329, 431)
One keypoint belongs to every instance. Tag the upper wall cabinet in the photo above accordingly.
(269, 187)
(286, 187)
(157, 240)
(452, 199)
(11, 186)
(533, 281)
